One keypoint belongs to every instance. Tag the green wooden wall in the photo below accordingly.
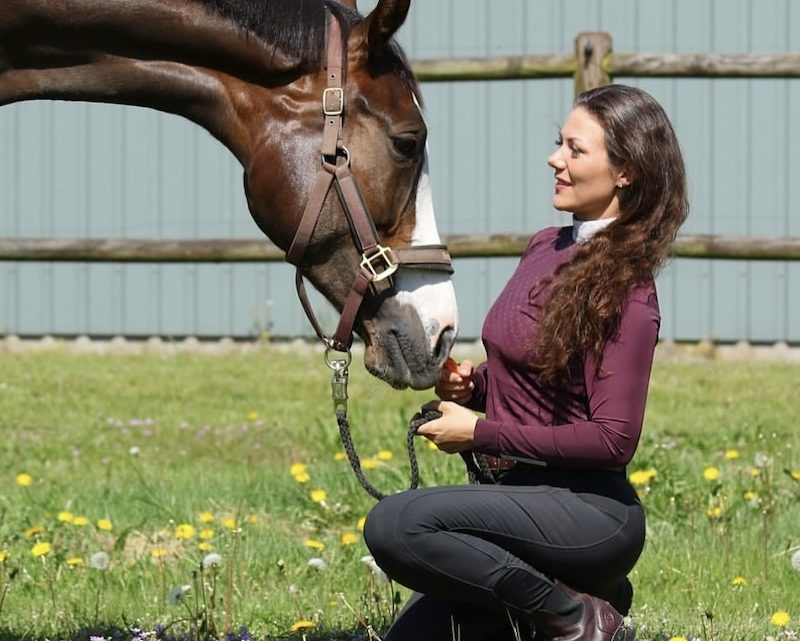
(78, 170)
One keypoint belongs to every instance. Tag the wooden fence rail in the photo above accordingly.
(593, 63)
(259, 251)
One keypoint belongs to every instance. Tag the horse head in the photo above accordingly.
(408, 329)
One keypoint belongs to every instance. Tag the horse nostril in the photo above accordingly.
(443, 346)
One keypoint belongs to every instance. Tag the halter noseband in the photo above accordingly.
(378, 263)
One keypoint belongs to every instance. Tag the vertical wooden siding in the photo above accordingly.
(92, 170)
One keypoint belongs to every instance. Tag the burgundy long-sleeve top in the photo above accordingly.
(597, 423)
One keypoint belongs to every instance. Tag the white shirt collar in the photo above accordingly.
(583, 230)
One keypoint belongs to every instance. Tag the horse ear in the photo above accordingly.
(384, 21)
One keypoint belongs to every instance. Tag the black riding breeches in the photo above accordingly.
(499, 548)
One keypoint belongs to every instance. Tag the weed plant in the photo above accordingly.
(197, 497)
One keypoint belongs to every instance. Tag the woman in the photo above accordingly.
(569, 345)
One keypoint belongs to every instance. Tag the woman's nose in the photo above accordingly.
(555, 160)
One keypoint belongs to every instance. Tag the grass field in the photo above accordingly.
(189, 496)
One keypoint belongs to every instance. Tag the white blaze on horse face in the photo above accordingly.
(430, 293)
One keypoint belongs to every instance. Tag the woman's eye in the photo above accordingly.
(558, 142)
(407, 146)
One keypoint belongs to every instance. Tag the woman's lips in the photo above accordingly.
(561, 185)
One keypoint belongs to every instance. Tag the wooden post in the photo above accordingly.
(591, 50)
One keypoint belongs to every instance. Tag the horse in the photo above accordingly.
(320, 107)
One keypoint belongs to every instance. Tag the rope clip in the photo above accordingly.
(339, 379)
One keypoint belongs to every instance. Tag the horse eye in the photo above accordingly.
(407, 146)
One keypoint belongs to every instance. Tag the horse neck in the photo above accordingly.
(170, 55)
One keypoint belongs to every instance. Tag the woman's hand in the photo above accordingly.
(454, 431)
(455, 382)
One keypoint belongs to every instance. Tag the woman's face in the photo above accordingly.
(586, 183)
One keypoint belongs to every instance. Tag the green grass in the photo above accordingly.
(150, 442)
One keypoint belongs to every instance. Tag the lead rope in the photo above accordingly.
(477, 469)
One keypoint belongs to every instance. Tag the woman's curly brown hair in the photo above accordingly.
(589, 292)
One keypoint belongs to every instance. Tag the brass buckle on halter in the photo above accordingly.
(338, 96)
(380, 253)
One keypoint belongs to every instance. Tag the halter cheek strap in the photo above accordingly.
(378, 263)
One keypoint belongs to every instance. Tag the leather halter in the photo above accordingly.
(378, 263)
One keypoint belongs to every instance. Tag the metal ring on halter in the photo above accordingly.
(345, 152)
(337, 364)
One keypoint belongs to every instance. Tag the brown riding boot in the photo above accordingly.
(591, 619)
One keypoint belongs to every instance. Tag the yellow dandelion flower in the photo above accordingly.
(74, 561)
(384, 455)
(206, 533)
(205, 517)
(750, 496)
(711, 474)
(104, 525)
(370, 463)
(80, 521)
(298, 468)
(755, 472)
(780, 618)
(714, 512)
(677, 639)
(738, 581)
(340, 456)
(41, 549)
(253, 519)
(348, 538)
(253, 416)
(731, 454)
(230, 523)
(302, 477)
(184, 531)
(318, 496)
(642, 477)
(795, 474)
(432, 446)
(361, 522)
(158, 553)
(36, 530)
(3, 556)
(302, 625)
(205, 546)
(24, 479)
(314, 544)
(66, 517)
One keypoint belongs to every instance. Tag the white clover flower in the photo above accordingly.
(212, 560)
(795, 560)
(178, 594)
(99, 561)
(317, 564)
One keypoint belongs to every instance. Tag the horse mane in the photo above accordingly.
(298, 28)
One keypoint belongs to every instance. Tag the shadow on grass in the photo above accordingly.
(160, 633)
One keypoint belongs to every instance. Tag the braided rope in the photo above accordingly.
(477, 469)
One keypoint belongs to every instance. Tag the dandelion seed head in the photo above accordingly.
(317, 563)
(178, 594)
(795, 560)
(99, 561)
(212, 560)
